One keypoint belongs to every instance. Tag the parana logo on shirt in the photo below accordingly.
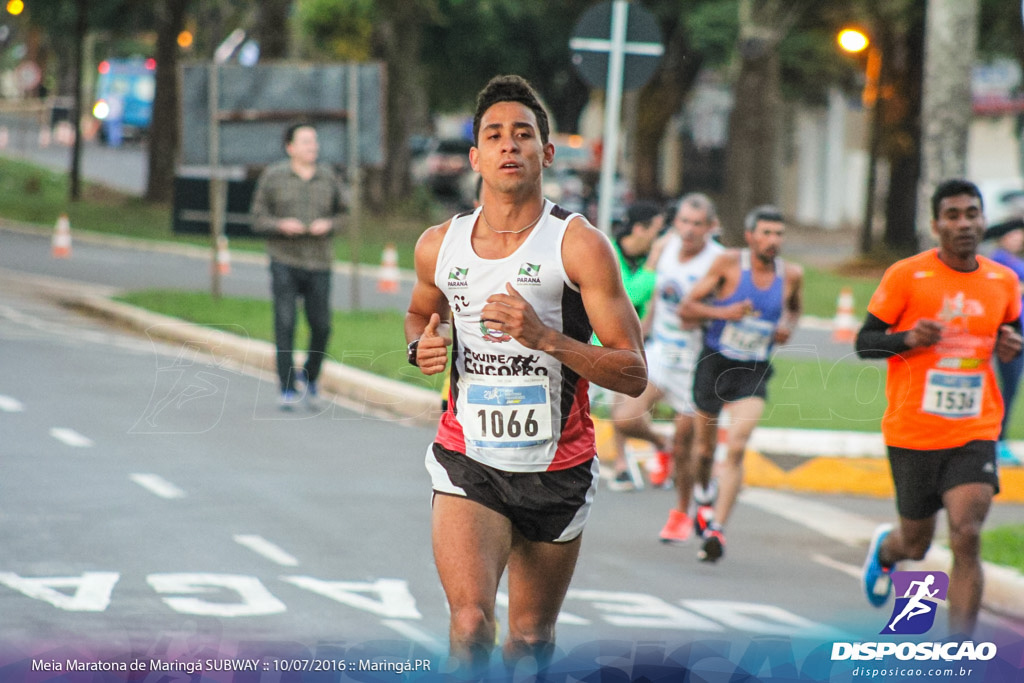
(457, 277)
(529, 274)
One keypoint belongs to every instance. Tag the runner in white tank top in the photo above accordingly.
(682, 258)
(511, 407)
(524, 283)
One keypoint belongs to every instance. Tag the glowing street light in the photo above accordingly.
(15, 7)
(852, 40)
(855, 41)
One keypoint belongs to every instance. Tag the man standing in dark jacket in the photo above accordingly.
(298, 204)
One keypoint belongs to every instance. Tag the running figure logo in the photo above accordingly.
(914, 612)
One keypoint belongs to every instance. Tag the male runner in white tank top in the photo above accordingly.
(513, 466)
(680, 259)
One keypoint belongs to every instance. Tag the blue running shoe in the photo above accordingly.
(310, 396)
(288, 400)
(877, 582)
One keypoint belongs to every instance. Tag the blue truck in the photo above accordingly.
(124, 98)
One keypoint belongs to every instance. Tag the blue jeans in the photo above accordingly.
(287, 284)
(1009, 379)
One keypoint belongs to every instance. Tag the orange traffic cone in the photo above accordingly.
(844, 325)
(387, 281)
(223, 256)
(62, 237)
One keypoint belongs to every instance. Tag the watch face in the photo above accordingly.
(411, 351)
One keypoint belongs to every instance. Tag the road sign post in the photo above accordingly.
(617, 47)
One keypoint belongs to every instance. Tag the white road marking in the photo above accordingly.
(387, 598)
(70, 437)
(10, 405)
(252, 597)
(157, 485)
(417, 635)
(262, 546)
(564, 617)
(826, 561)
(89, 592)
(847, 528)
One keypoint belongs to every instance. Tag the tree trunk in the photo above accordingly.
(81, 28)
(951, 36)
(270, 28)
(903, 135)
(750, 166)
(165, 129)
(659, 101)
(397, 41)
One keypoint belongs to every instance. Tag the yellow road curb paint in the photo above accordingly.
(823, 474)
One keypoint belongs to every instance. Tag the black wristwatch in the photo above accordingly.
(410, 352)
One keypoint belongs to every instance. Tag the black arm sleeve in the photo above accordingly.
(875, 341)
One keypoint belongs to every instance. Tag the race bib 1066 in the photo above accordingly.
(952, 394)
(506, 412)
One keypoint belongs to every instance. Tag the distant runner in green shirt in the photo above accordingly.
(633, 239)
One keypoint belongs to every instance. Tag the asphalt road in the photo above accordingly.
(152, 498)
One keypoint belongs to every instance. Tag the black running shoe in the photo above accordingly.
(713, 546)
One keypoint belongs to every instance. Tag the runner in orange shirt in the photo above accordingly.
(938, 317)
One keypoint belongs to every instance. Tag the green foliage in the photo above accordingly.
(713, 28)
(478, 39)
(811, 63)
(35, 195)
(822, 287)
(338, 29)
(1000, 34)
(808, 392)
(1004, 545)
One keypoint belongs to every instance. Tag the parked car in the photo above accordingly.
(564, 186)
(443, 166)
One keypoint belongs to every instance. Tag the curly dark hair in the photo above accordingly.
(510, 88)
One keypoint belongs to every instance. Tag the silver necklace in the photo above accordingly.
(512, 232)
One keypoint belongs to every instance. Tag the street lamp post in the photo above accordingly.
(855, 41)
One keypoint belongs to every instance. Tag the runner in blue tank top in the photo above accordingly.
(750, 300)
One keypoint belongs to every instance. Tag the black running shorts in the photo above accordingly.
(545, 507)
(922, 477)
(719, 380)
